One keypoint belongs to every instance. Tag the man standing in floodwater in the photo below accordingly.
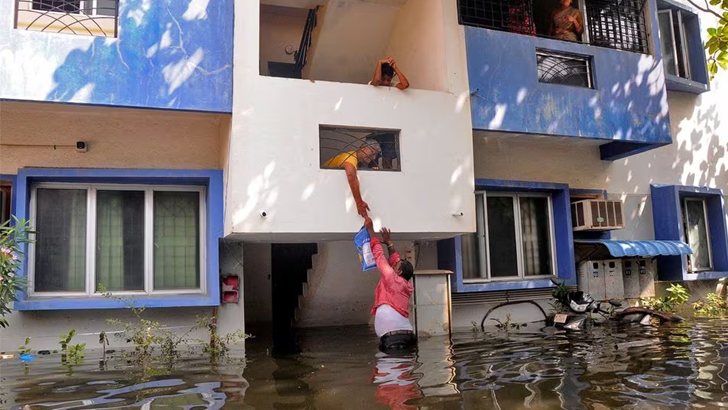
(392, 294)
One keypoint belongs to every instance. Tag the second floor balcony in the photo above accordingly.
(589, 69)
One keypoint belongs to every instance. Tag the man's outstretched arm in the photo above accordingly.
(361, 206)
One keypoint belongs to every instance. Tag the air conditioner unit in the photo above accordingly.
(596, 215)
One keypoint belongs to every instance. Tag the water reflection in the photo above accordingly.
(610, 367)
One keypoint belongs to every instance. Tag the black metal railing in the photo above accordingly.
(563, 69)
(86, 17)
(301, 54)
(618, 24)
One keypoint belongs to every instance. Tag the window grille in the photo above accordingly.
(509, 15)
(82, 17)
(617, 24)
(563, 69)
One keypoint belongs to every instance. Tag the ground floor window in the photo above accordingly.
(138, 239)
(514, 237)
(6, 188)
(697, 235)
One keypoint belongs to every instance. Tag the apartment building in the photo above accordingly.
(205, 128)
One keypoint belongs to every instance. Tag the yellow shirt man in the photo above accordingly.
(341, 159)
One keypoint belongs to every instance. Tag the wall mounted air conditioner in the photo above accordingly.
(596, 215)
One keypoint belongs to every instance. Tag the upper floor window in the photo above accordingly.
(130, 239)
(83, 17)
(697, 234)
(514, 238)
(618, 24)
(5, 200)
(683, 55)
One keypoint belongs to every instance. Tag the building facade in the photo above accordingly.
(204, 129)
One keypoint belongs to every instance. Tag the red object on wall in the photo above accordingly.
(230, 289)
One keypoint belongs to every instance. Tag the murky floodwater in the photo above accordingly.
(609, 367)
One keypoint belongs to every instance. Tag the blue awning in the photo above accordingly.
(624, 249)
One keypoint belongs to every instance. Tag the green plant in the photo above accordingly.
(12, 239)
(677, 297)
(474, 326)
(717, 44)
(559, 293)
(508, 324)
(712, 305)
(678, 294)
(24, 349)
(73, 353)
(219, 345)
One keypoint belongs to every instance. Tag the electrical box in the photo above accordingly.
(639, 278)
(596, 215)
(601, 279)
(230, 289)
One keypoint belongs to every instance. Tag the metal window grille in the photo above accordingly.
(563, 69)
(337, 144)
(617, 24)
(84, 17)
(510, 15)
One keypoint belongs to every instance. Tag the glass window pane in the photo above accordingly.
(501, 237)
(697, 235)
(667, 41)
(120, 240)
(105, 8)
(60, 247)
(535, 236)
(176, 240)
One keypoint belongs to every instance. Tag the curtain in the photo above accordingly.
(120, 240)
(176, 240)
(536, 247)
(60, 247)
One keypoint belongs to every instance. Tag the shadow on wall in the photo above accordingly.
(169, 54)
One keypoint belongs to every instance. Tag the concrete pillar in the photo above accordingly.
(431, 303)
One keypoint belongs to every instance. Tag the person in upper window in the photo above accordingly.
(566, 22)
(384, 74)
(387, 141)
(392, 294)
(350, 160)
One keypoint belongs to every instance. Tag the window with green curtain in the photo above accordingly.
(60, 240)
(176, 240)
(120, 240)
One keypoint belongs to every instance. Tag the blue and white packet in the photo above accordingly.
(364, 248)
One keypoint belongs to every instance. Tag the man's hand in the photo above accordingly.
(369, 225)
(386, 235)
(391, 62)
(362, 208)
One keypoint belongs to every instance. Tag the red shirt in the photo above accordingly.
(392, 289)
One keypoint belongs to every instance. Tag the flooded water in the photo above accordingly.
(609, 367)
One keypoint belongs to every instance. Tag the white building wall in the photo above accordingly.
(275, 145)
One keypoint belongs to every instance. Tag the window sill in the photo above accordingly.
(675, 83)
(535, 283)
(706, 275)
(75, 303)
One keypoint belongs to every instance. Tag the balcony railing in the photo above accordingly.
(618, 24)
(81, 17)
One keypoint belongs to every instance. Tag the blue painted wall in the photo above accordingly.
(628, 104)
(169, 54)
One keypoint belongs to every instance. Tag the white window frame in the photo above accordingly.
(684, 49)
(482, 232)
(707, 232)
(90, 273)
(83, 5)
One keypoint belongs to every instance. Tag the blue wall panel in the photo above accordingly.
(173, 54)
(628, 105)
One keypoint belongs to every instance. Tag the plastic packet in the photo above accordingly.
(364, 249)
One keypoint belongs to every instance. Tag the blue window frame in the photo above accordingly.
(479, 266)
(697, 216)
(683, 55)
(175, 208)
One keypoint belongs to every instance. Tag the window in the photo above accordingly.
(83, 17)
(697, 234)
(514, 238)
(683, 55)
(130, 239)
(5, 200)
(555, 68)
(369, 148)
(618, 24)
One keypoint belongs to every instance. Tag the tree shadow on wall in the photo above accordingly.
(168, 54)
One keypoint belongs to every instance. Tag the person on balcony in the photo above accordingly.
(392, 294)
(384, 74)
(566, 22)
(350, 160)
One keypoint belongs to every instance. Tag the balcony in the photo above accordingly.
(168, 55)
(603, 85)
(285, 128)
